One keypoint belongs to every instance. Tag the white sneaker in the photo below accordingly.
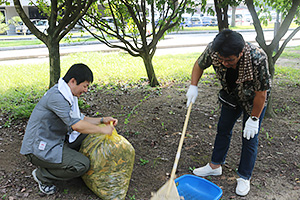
(243, 187)
(207, 171)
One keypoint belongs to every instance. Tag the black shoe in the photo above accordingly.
(46, 189)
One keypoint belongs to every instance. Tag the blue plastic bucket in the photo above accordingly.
(195, 188)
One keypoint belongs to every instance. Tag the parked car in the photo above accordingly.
(209, 21)
(186, 21)
(76, 27)
(79, 26)
(190, 21)
(109, 21)
(23, 29)
(242, 19)
(42, 25)
(196, 21)
(248, 19)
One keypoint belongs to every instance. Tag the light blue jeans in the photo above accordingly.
(226, 123)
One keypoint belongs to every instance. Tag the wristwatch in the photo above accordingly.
(254, 118)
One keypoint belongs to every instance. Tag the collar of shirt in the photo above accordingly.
(245, 65)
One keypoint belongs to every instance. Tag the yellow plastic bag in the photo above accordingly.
(112, 159)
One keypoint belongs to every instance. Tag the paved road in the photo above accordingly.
(172, 44)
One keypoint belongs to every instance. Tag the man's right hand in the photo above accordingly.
(191, 94)
(107, 130)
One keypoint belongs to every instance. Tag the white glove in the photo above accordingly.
(251, 128)
(191, 94)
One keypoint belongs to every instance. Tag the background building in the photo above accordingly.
(9, 11)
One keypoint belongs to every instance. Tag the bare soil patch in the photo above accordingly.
(157, 118)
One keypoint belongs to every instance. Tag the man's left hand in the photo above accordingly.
(107, 120)
(251, 128)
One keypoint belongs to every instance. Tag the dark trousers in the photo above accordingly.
(226, 123)
(74, 164)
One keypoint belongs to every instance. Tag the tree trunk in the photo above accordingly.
(147, 58)
(221, 15)
(270, 111)
(54, 59)
(276, 28)
(271, 65)
(233, 16)
(283, 28)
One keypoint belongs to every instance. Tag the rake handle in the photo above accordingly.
(180, 147)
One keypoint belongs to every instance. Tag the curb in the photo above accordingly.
(97, 42)
(109, 50)
(112, 50)
(44, 46)
(47, 55)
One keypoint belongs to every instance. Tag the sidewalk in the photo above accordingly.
(38, 51)
(181, 40)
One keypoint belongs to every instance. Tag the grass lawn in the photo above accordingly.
(21, 86)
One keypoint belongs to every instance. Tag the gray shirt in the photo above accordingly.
(48, 126)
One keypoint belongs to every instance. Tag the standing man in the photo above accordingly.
(56, 116)
(243, 72)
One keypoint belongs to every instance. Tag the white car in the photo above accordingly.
(42, 25)
(22, 28)
(243, 19)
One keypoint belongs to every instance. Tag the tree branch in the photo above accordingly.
(152, 19)
(53, 18)
(109, 44)
(80, 11)
(260, 34)
(104, 28)
(285, 24)
(168, 24)
(295, 31)
(28, 23)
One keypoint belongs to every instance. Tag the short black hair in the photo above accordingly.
(80, 72)
(228, 43)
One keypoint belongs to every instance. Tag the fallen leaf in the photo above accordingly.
(231, 178)
(26, 194)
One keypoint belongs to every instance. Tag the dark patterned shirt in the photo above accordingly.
(253, 73)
